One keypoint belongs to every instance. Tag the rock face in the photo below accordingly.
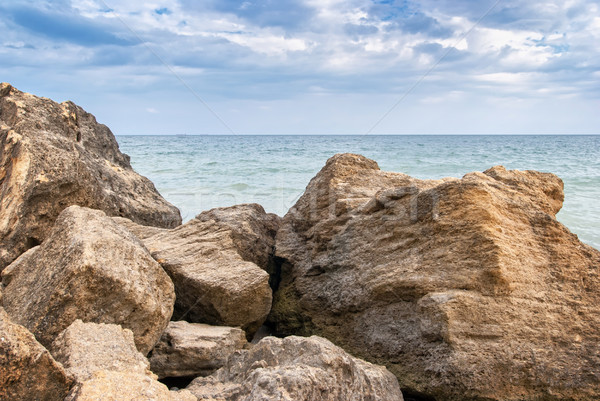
(297, 369)
(218, 263)
(194, 349)
(27, 371)
(86, 348)
(116, 386)
(56, 155)
(106, 365)
(466, 289)
(92, 269)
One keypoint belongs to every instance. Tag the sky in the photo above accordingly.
(312, 66)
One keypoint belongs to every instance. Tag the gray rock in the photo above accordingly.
(297, 369)
(466, 289)
(55, 155)
(194, 349)
(92, 269)
(27, 370)
(218, 263)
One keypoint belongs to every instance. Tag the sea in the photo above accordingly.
(197, 173)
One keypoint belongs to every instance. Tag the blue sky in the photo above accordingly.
(312, 66)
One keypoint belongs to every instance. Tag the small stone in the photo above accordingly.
(194, 349)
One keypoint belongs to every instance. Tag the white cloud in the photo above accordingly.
(336, 49)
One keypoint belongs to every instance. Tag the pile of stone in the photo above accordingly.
(104, 292)
(452, 289)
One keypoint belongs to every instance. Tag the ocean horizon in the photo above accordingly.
(201, 172)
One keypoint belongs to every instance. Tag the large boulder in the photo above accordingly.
(103, 360)
(92, 269)
(466, 289)
(55, 155)
(218, 263)
(194, 349)
(297, 369)
(27, 370)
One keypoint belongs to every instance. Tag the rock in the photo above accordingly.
(466, 289)
(87, 348)
(218, 263)
(194, 349)
(55, 155)
(106, 365)
(116, 386)
(139, 230)
(27, 370)
(297, 369)
(92, 269)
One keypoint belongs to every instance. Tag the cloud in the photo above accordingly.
(62, 26)
(271, 51)
(287, 14)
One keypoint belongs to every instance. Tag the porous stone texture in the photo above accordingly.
(297, 369)
(118, 386)
(27, 370)
(92, 269)
(86, 348)
(103, 360)
(466, 289)
(55, 155)
(218, 263)
(194, 349)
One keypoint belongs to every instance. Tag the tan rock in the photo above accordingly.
(194, 349)
(218, 263)
(106, 365)
(92, 269)
(55, 155)
(118, 386)
(27, 370)
(297, 369)
(466, 289)
(86, 348)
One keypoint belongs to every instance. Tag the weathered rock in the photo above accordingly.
(27, 370)
(56, 155)
(87, 348)
(92, 269)
(466, 289)
(297, 369)
(217, 262)
(139, 230)
(106, 365)
(194, 349)
(117, 386)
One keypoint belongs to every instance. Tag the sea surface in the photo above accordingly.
(197, 173)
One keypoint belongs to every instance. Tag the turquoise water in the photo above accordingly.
(197, 173)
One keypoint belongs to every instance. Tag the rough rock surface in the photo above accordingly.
(118, 386)
(86, 348)
(92, 269)
(106, 365)
(194, 349)
(466, 289)
(27, 370)
(297, 369)
(55, 155)
(218, 263)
